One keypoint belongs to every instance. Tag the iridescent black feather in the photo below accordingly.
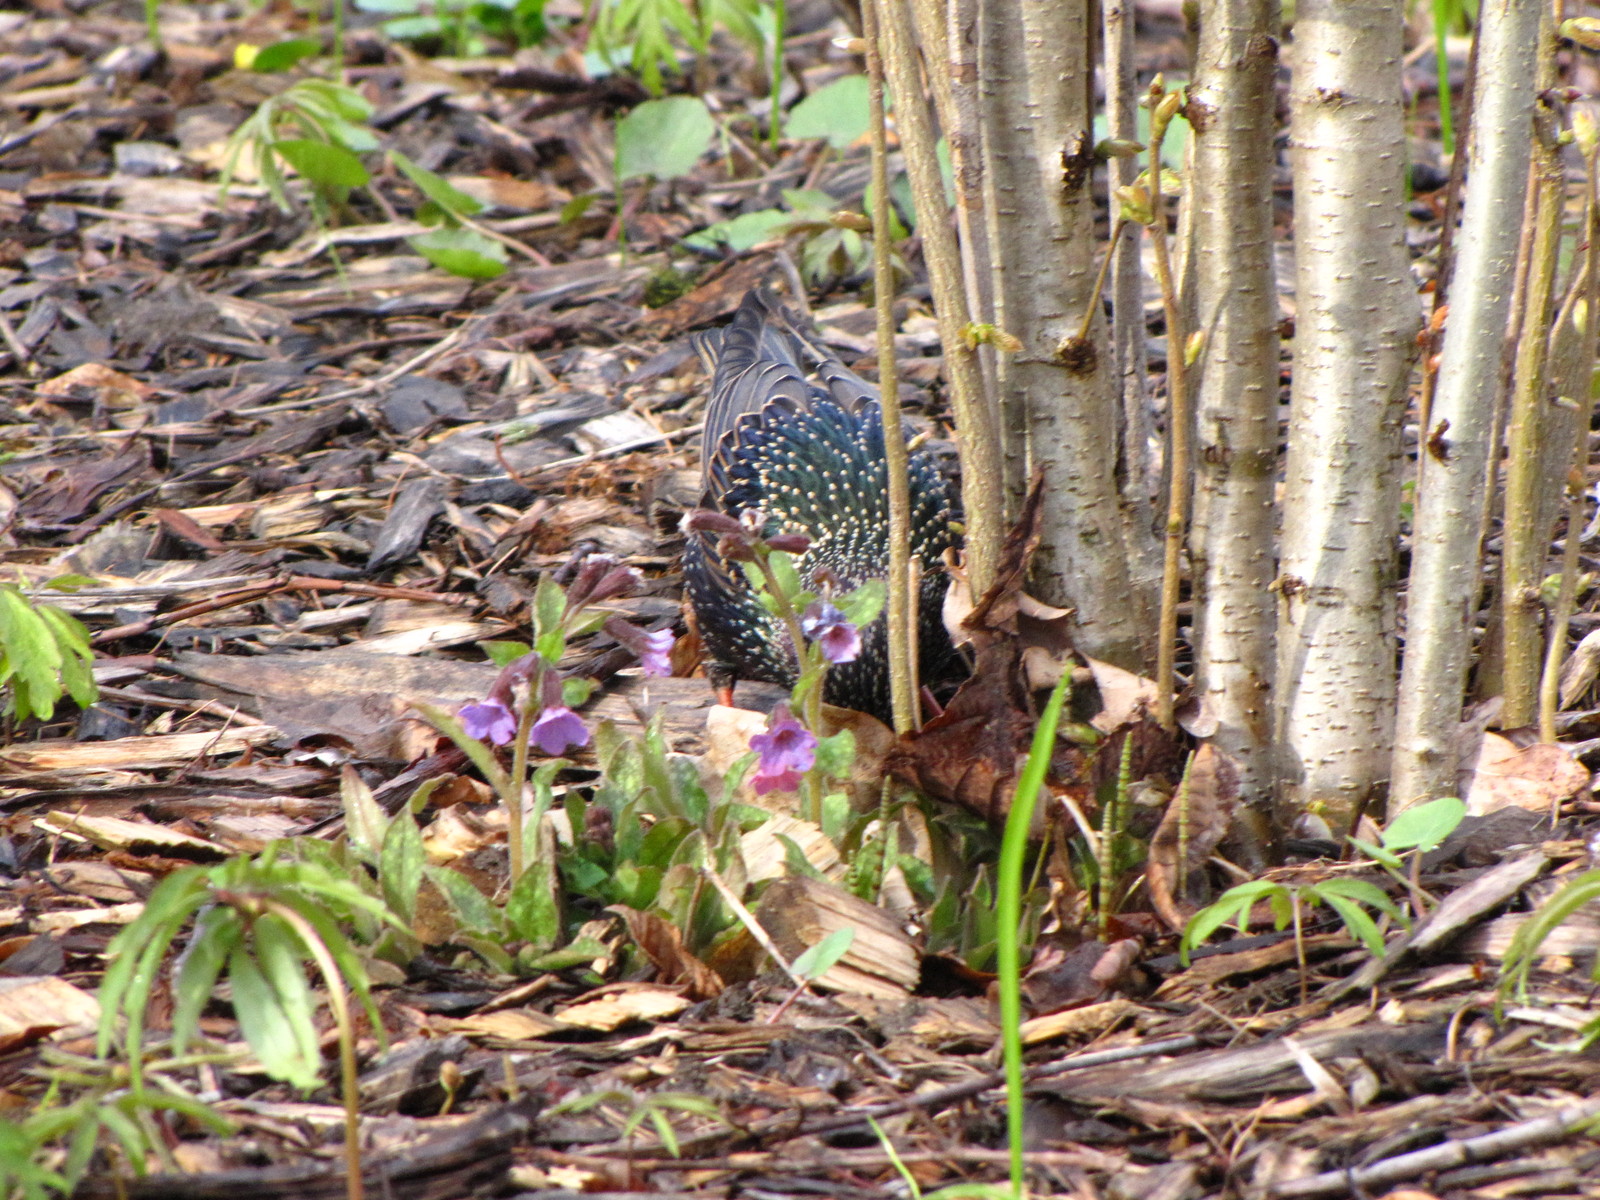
(794, 433)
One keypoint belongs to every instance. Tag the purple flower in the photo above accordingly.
(491, 721)
(654, 649)
(786, 749)
(557, 728)
(783, 781)
(656, 656)
(825, 625)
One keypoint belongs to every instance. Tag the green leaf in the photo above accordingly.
(130, 1134)
(400, 866)
(551, 646)
(818, 960)
(482, 757)
(835, 815)
(1234, 904)
(503, 654)
(1361, 890)
(549, 605)
(1424, 826)
(364, 821)
(577, 206)
(838, 112)
(837, 753)
(462, 252)
(334, 99)
(740, 233)
(527, 23)
(663, 139)
(576, 690)
(77, 657)
(783, 570)
(810, 203)
(795, 860)
(1531, 934)
(472, 908)
(217, 931)
(265, 1024)
(1356, 920)
(280, 954)
(862, 606)
(664, 1131)
(70, 582)
(135, 953)
(29, 656)
(452, 200)
(280, 56)
(322, 163)
(1378, 855)
(533, 909)
(403, 29)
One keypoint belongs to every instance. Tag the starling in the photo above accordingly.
(794, 434)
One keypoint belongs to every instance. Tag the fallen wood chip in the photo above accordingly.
(456, 1161)
(1459, 909)
(881, 960)
(1245, 1073)
(143, 753)
(1485, 1148)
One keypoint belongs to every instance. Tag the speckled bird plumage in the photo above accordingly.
(792, 432)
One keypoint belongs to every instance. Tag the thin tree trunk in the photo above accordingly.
(1528, 512)
(1057, 393)
(981, 493)
(1442, 599)
(948, 29)
(1354, 343)
(1127, 270)
(1232, 111)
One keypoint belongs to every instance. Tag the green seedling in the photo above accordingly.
(1523, 954)
(1417, 829)
(44, 654)
(1349, 898)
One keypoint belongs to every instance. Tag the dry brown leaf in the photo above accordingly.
(1213, 796)
(662, 942)
(109, 387)
(1537, 777)
(509, 1025)
(1124, 696)
(619, 1005)
(35, 1006)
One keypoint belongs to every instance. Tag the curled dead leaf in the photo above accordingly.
(663, 944)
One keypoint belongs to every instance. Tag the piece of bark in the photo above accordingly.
(881, 961)
(445, 1166)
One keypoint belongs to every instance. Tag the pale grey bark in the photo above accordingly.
(1127, 269)
(1356, 325)
(1442, 599)
(1060, 408)
(981, 491)
(948, 30)
(1529, 451)
(1232, 111)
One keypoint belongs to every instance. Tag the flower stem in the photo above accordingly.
(519, 774)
